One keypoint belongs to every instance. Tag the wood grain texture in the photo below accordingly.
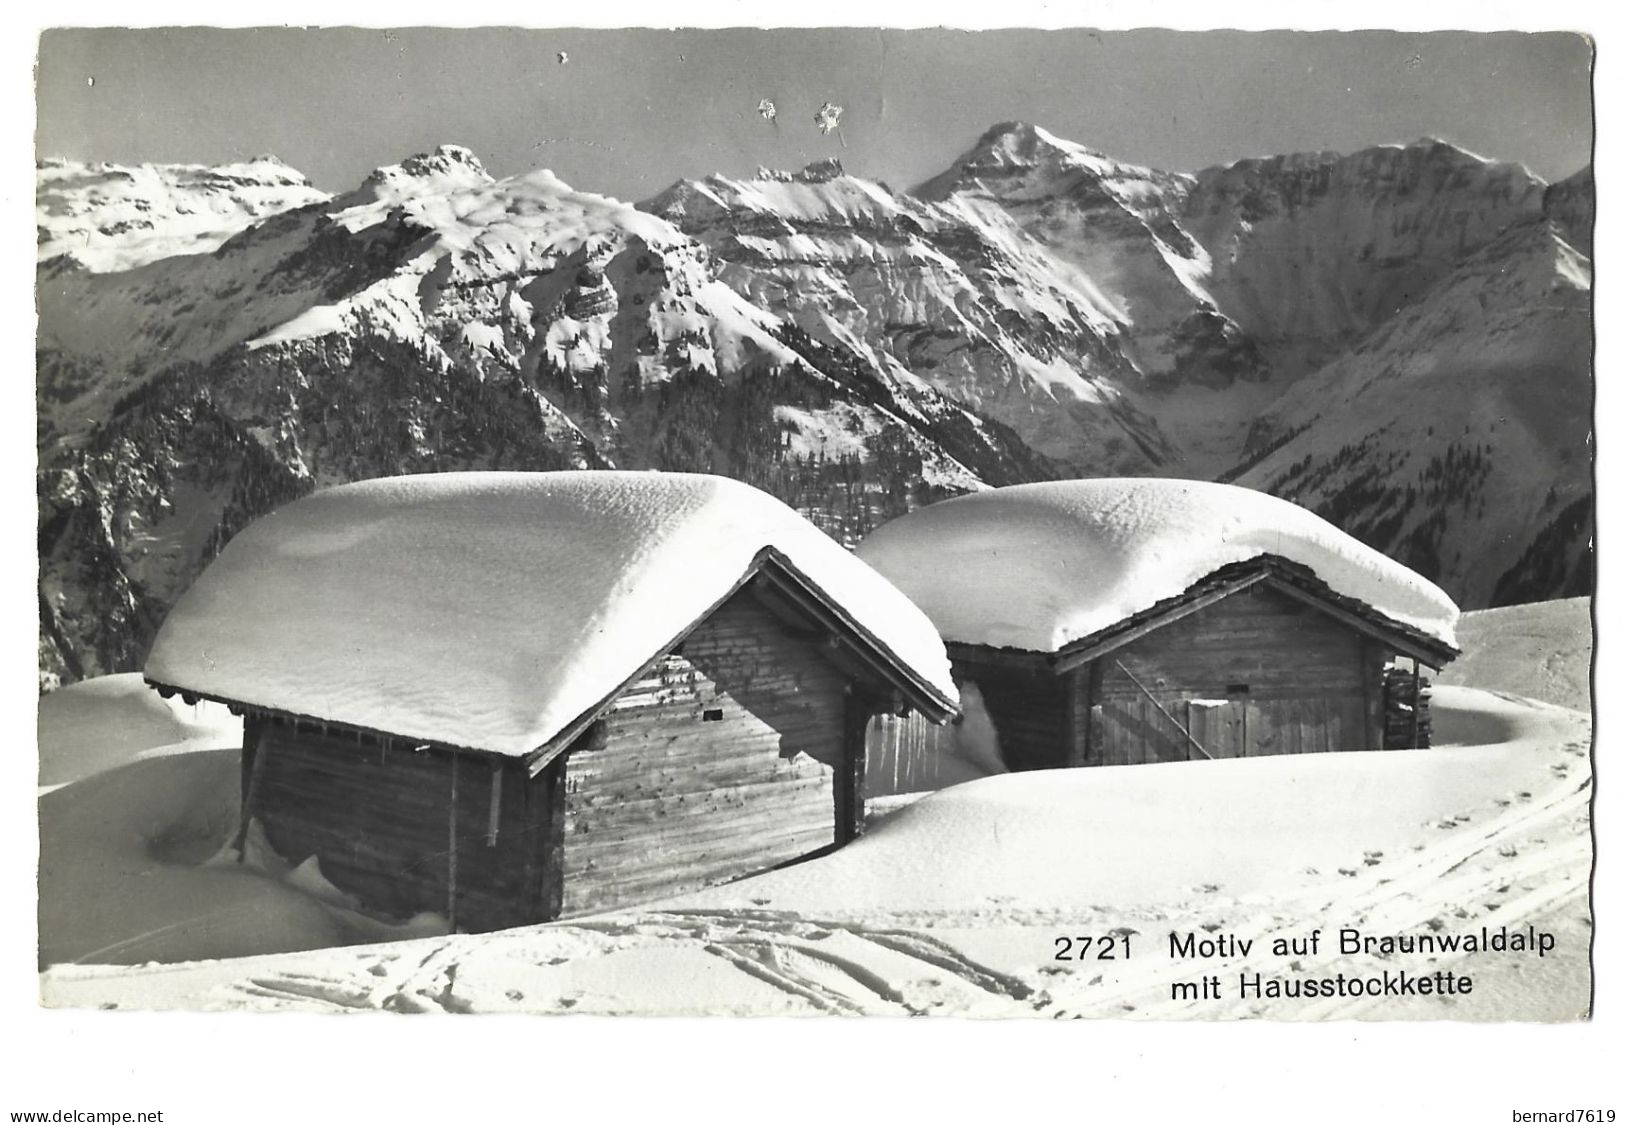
(721, 760)
(378, 816)
(1290, 679)
(674, 801)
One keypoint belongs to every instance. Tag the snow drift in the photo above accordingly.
(100, 724)
(1038, 566)
(489, 610)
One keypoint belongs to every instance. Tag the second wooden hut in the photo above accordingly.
(1112, 622)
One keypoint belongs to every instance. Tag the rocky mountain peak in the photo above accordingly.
(1571, 204)
(821, 171)
(447, 167)
(110, 217)
(1018, 158)
(818, 172)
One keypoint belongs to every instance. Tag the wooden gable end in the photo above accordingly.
(1282, 575)
(727, 757)
(886, 681)
(1257, 673)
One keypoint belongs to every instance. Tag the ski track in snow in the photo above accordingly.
(821, 967)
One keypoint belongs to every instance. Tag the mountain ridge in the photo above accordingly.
(1037, 310)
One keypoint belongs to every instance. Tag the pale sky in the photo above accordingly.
(632, 111)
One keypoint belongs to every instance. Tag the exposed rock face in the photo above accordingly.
(1310, 252)
(1571, 204)
(1119, 228)
(952, 293)
(1398, 338)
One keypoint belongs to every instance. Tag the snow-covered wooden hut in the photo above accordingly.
(1123, 621)
(508, 697)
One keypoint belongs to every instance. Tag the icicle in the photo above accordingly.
(495, 823)
(451, 850)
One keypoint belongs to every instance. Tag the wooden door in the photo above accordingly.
(1218, 725)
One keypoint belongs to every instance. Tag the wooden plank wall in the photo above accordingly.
(673, 802)
(1307, 679)
(377, 814)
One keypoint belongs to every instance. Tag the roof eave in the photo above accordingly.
(1279, 574)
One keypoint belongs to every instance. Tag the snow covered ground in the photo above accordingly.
(955, 903)
(1541, 651)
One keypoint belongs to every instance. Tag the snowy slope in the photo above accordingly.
(1455, 436)
(490, 610)
(1541, 650)
(111, 217)
(1038, 566)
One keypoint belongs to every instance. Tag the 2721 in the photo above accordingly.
(1092, 948)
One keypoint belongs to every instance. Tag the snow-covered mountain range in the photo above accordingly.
(1398, 338)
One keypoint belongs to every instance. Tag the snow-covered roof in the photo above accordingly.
(493, 610)
(1039, 566)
